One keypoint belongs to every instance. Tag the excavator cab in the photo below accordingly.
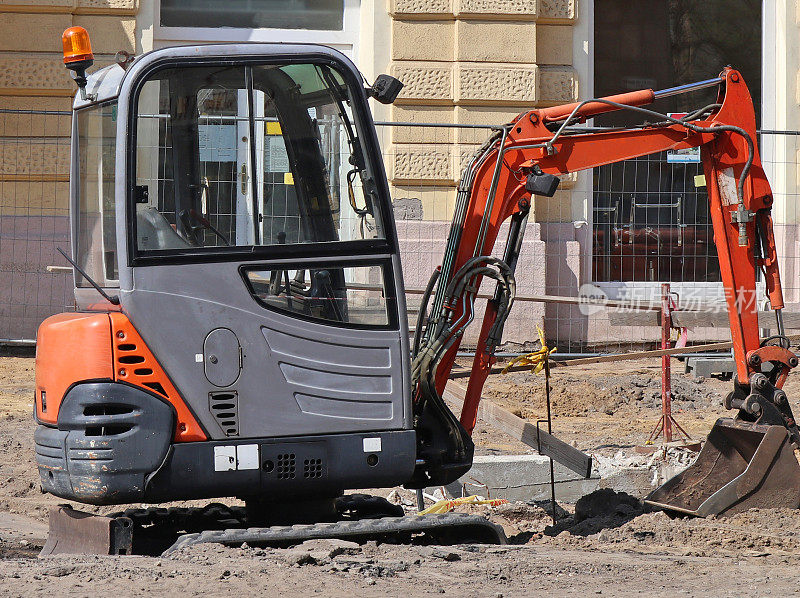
(241, 324)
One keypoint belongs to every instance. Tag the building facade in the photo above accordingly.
(466, 64)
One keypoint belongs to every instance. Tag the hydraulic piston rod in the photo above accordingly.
(674, 91)
(631, 98)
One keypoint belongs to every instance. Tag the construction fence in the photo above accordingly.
(614, 234)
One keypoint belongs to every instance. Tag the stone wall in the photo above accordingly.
(479, 62)
(472, 62)
(462, 61)
(34, 146)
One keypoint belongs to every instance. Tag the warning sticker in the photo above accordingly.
(727, 187)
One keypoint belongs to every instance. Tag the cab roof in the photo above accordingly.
(105, 84)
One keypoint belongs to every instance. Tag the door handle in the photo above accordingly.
(243, 177)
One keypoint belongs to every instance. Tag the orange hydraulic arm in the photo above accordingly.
(493, 189)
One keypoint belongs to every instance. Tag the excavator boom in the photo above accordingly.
(527, 155)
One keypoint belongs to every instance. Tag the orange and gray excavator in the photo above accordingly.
(241, 324)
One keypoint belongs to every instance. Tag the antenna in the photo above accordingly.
(112, 299)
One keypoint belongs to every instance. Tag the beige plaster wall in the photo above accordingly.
(33, 77)
(470, 62)
(781, 153)
(34, 147)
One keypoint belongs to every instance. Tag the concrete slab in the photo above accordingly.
(520, 478)
(640, 481)
(526, 478)
(705, 367)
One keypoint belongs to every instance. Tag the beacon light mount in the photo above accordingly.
(78, 56)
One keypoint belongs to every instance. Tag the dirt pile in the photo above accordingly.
(567, 398)
(18, 474)
(609, 520)
(758, 532)
(524, 522)
(520, 521)
(582, 396)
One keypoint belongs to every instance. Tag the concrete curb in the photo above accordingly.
(521, 478)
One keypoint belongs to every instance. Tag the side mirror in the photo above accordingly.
(541, 183)
(385, 89)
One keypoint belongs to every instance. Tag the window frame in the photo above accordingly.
(106, 283)
(584, 47)
(362, 122)
(347, 37)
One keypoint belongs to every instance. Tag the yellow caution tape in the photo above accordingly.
(443, 506)
(536, 358)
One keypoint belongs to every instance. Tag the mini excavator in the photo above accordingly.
(241, 323)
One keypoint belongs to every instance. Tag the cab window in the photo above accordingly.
(96, 240)
(249, 156)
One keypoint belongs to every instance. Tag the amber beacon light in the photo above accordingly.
(78, 55)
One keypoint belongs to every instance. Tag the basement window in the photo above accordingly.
(322, 15)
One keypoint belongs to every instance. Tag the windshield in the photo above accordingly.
(246, 156)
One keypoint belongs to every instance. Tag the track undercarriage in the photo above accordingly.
(159, 531)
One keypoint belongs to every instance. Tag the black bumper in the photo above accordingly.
(113, 446)
(109, 438)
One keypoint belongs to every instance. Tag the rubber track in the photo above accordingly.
(473, 528)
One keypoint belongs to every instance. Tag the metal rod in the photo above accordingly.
(18, 342)
(567, 356)
(39, 112)
(549, 431)
(772, 132)
(674, 91)
(666, 370)
(490, 198)
(420, 500)
(387, 123)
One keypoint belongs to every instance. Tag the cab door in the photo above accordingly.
(270, 290)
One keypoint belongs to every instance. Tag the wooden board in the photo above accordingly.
(524, 431)
(540, 299)
(617, 357)
(634, 318)
(698, 319)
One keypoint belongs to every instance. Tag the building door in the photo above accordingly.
(650, 215)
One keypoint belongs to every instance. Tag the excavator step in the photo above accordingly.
(159, 531)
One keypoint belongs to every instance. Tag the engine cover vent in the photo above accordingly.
(224, 406)
(286, 466)
(312, 468)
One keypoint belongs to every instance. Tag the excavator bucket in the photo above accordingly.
(741, 466)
